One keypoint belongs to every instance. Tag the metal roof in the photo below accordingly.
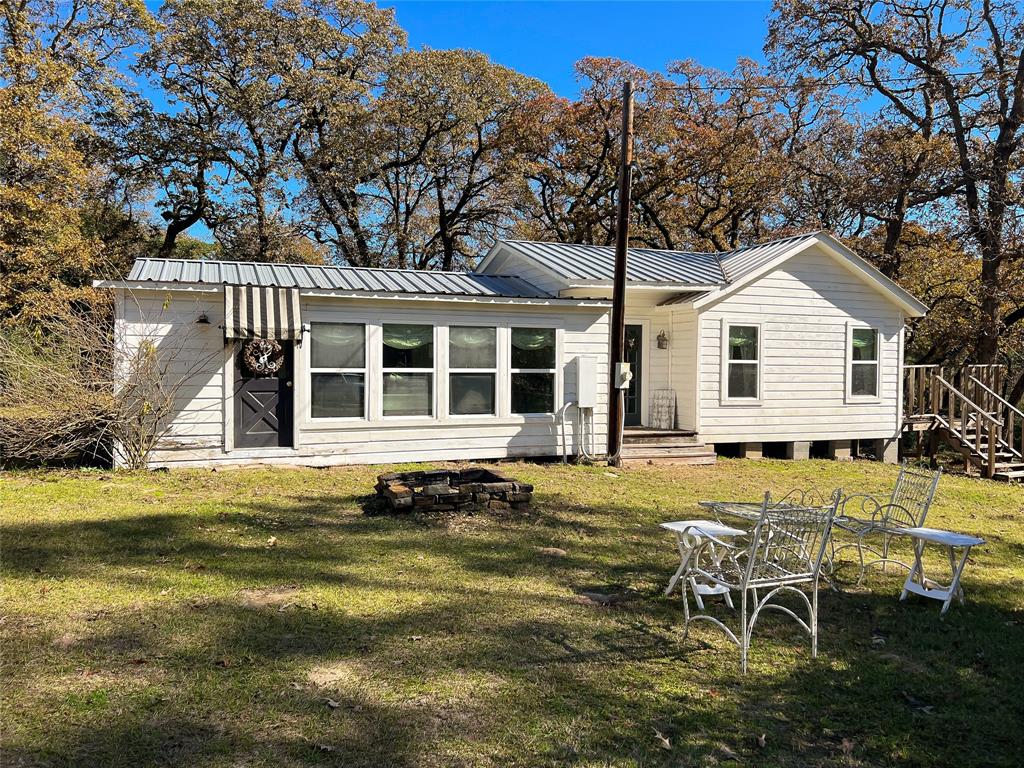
(314, 277)
(596, 263)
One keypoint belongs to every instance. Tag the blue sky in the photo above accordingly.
(543, 38)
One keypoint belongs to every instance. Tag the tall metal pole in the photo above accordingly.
(618, 329)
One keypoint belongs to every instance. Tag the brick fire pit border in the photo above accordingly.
(448, 490)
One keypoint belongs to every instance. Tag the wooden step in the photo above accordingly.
(701, 460)
(645, 433)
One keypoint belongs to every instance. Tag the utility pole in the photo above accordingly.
(618, 329)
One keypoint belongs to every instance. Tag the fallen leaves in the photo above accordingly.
(663, 740)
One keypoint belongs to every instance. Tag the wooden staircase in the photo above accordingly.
(664, 446)
(969, 415)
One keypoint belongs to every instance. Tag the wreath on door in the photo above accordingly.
(263, 357)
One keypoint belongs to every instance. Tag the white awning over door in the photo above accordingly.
(252, 312)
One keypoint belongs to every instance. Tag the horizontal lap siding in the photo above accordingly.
(190, 354)
(583, 332)
(683, 348)
(803, 307)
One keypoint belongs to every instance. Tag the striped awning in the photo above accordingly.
(253, 312)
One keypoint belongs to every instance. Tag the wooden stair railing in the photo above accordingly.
(959, 414)
(920, 395)
(1011, 440)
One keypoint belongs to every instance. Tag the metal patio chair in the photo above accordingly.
(785, 551)
(864, 516)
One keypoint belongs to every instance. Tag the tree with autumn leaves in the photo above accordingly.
(307, 130)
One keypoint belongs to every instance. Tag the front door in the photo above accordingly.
(634, 356)
(263, 400)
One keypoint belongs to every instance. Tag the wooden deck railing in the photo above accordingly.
(968, 405)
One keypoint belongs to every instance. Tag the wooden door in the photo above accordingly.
(634, 356)
(263, 404)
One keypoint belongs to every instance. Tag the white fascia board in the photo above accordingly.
(492, 254)
(488, 257)
(146, 285)
(844, 256)
(431, 297)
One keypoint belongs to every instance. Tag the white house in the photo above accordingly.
(783, 346)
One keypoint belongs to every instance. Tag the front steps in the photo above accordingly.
(664, 446)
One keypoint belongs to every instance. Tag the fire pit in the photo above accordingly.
(448, 490)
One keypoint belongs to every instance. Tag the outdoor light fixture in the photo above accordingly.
(662, 340)
(202, 319)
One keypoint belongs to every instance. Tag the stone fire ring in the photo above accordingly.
(450, 490)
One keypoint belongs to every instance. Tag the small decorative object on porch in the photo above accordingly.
(663, 409)
(451, 490)
(662, 340)
(263, 357)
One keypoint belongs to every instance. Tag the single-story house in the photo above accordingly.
(784, 344)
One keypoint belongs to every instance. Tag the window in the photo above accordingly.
(408, 365)
(472, 368)
(533, 370)
(337, 370)
(863, 362)
(742, 344)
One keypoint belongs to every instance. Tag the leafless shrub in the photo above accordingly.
(74, 387)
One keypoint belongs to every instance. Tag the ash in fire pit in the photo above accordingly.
(447, 490)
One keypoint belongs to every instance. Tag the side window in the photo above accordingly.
(472, 370)
(408, 369)
(337, 370)
(863, 362)
(743, 360)
(532, 366)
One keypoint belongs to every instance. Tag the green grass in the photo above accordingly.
(258, 618)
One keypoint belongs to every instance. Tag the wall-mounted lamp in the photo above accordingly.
(662, 340)
(202, 319)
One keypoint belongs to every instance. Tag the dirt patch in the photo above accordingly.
(338, 674)
(272, 597)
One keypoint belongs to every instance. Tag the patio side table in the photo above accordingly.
(918, 583)
(690, 534)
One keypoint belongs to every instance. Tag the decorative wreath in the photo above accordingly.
(263, 357)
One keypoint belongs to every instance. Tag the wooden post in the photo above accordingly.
(618, 329)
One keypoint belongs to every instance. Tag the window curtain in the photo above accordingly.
(533, 338)
(472, 347)
(742, 343)
(408, 336)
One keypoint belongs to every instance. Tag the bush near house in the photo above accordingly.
(257, 617)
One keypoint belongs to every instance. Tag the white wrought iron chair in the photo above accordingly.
(785, 550)
(863, 516)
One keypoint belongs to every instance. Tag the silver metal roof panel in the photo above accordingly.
(316, 277)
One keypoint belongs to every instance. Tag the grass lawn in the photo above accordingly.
(258, 618)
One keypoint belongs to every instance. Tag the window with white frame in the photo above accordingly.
(337, 363)
(532, 365)
(743, 362)
(472, 370)
(407, 359)
(863, 362)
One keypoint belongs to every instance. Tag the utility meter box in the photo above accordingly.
(586, 382)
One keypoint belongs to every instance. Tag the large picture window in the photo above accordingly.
(337, 370)
(472, 370)
(408, 369)
(863, 362)
(533, 370)
(743, 361)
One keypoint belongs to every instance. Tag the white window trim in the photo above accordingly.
(448, 373)
(326, 421)
(433, 371)
(723, 375)
(848, 354)
(556, 370)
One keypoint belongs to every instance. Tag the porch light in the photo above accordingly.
(662, 340)
(202, 319)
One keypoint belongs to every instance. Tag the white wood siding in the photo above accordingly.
(516, 265)
(684, 352)
(197, 436)
(804, 308)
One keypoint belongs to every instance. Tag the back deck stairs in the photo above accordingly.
(641, 445)
(966, 411)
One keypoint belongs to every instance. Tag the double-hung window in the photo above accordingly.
(472, 370)
(742, 352)
(863, 370)
(532, 367)
(408, 369)
(337, 370)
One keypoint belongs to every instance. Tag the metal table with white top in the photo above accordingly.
(690, 535)
(918, 583)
